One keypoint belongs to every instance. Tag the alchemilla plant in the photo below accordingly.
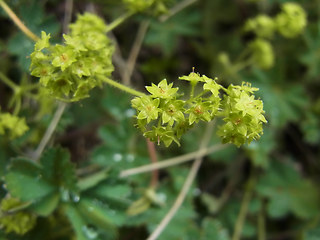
(166, 114)
(70, 71)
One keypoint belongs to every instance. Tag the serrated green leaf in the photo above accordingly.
(229, 214)
(213, 229)
(117, 104)
(46, 205)
(166, 34)
(310, 127)
(288, 192)
(212, 203)
(77, 222)
(92, 180)
(107, 191)
(259, 150)
(310, 57)
(58, 169)
(24, 180)
(282, 103)
(21, 46)
(114, 136)
(101, 214)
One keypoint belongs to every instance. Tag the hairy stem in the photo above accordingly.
(122, 87)
(135, 51)
(186, 186)
(18, 22)
(118, 21)
(48, 134)
(244, 208)
(171, 161)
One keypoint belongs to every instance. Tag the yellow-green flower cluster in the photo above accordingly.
(290, 22)
(12, 125)
(262, 25)
(70, 70)
(154, 6)
(18, 222)
(138, 5)
(243, 115)
(163, 116)
(262, 53)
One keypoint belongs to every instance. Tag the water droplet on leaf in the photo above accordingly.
(90, 232)
(117, 157)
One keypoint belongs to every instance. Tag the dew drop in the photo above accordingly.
(117, 157)
(65, 195)
(196, 192)
(90, 232)
(162, 197)
(130, 158)
(75, 198)
(130, 112)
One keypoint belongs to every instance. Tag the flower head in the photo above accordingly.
(292, 20)
(163, 90)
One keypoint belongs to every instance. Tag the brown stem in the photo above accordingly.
(67, 15)
(153, 157)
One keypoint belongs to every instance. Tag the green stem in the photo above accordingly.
(18, 22)
(122, 87)
(192, 90)
(132, 59)
(118, 21)
(202, 93)
(244, 208)
(177, 8)
(241, 65)
(18, 106)
(7, 81)
(31, 87)
(50, 130)
(171, 161)
(261, 223)
(243, 55)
